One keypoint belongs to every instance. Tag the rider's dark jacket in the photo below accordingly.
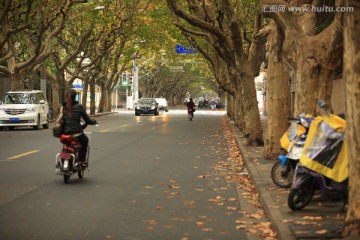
(73, 126)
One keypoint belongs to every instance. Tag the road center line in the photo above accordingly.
(104, 131)
(23, 154)
(164, 123)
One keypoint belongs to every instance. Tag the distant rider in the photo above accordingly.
(190, 106)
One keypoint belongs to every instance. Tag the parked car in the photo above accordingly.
(146, 106)
(24, 108)
(163, 104)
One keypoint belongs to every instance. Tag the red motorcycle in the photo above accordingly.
(67, 162)
(191, 114)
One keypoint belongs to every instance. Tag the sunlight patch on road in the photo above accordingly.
(199, 112)
(22, 155)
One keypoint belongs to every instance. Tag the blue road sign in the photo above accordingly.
(182, 50)
(77, 85)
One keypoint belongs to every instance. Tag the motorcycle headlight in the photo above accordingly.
(30, 110)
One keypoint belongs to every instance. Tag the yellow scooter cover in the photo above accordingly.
(325, 149)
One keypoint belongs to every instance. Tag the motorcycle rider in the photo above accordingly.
(72, 113)
(213, 104)
(190, 105)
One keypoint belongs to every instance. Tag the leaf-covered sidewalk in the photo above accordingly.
(321, 219)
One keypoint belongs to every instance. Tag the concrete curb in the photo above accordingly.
(282, 230)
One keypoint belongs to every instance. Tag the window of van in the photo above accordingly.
(20, 98)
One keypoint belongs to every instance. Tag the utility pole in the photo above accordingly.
(136, 81)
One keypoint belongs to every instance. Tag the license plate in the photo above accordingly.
(14, 119)
(145, 111)
(65, 155)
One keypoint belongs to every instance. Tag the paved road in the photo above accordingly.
(152, 177)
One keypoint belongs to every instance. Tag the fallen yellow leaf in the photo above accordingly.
(312, 218)
(252, 230)
(200, 224)
(207, 229)
(241, 227)
(324, 231)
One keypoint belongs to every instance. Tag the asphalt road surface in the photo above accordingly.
(152, 178)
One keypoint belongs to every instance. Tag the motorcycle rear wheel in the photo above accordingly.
(81, 172)
(299, 198)
(282, 176)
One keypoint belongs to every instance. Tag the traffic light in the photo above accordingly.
(124, 81)
(126, 78)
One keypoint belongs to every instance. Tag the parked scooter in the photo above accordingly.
(323, 164)
(293, 141)
(67, 162)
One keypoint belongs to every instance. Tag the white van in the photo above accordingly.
(24, 108)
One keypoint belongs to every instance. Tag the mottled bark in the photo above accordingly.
(238, 115)
(103, 96)
(16, 81)
(92, 96)
(253, 128)
(313, 56)
(317, 57)
(230, 106)
(55, 89)
(352, 78)
(84, 93)
(278, 96)
(108, 105)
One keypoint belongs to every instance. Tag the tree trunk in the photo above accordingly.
(92, 97)
(352, 78)
(16, 82)
(253, 127)
(60, 78)
(55, 90)
(109, 104)
(312, 82)
(30, 78)
(230, 106)
(172, 99)
(314, 57)
(102, 98)
(84, 93)
(237, 111)
(278, 96)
